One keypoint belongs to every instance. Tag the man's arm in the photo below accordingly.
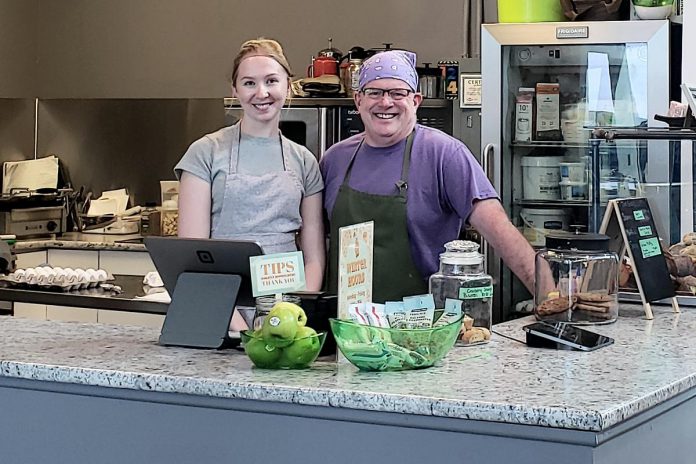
(489, 218)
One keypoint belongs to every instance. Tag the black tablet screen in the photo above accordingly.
(567, 334)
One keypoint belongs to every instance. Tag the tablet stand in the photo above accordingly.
(201, 310)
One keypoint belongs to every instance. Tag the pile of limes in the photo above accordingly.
(284, 340)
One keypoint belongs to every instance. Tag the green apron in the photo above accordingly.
(394, 274)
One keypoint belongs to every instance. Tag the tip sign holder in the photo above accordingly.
(631, 229)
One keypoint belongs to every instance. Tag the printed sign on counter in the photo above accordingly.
(631, 229)
(354, 265)
(277, 273)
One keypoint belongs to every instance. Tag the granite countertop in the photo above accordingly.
(504, 381)
(82, 241)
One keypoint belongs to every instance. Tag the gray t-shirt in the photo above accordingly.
(209, 159)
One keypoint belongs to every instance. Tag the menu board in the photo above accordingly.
(355, 245)
(630, 225)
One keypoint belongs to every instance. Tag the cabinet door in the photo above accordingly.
(137, 263)
(70, 314)
(31, 259)
(83, 259)
(106, 316)
(33, 311)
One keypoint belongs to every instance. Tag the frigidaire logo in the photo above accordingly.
(573, 32)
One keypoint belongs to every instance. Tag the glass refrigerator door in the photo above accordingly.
(555, 95)
(550, 96)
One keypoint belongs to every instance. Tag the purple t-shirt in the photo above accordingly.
(444, 181)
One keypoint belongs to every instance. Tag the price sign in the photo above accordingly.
(631, 228)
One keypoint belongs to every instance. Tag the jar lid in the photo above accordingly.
(461, 252)
(559, 240)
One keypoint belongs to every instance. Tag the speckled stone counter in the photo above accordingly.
(81, 241)
(563, 398)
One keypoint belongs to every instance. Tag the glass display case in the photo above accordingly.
(546, 86)
(671, 198)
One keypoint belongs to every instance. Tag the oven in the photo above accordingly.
(318, 123)
(29, 213)
(311, 126)
(435, 113)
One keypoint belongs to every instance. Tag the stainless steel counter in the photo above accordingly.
(81, 241)
(307, 101)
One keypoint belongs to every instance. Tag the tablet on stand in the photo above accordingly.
(206, 279)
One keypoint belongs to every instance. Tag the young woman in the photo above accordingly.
(249, 182)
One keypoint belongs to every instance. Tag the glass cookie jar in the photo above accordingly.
(576, 279)
(461, 277)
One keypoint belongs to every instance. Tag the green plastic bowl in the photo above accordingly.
(384, 349)
(298, 355)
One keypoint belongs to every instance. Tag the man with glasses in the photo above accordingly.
(416, 183)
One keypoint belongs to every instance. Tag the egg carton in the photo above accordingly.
(57, 278)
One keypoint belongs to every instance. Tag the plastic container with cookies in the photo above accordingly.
(576, 280)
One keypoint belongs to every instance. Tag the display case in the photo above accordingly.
(671, 199)
(546, 86)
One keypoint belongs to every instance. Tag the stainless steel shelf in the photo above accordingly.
(549, 145)
(554, 203)
(315, 102)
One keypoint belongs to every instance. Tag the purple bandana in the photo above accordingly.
(392, 64)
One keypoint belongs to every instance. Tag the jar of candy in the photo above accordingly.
(461, 278)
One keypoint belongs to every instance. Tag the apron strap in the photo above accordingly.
(402, 183)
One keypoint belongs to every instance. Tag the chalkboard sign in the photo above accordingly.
(630, 226)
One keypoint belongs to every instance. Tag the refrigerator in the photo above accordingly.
(545, 86)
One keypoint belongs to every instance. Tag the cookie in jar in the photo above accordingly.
(461, 279)
(576, 279)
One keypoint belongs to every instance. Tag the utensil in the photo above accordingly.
(323, 65)
(429, 81)
(330, 52)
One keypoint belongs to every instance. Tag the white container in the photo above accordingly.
(169, 190)
(573, 190)
(572, 171)
(539, 222)
(540, 177)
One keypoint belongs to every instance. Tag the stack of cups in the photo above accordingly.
(573, 182)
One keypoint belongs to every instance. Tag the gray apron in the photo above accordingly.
(265, 209)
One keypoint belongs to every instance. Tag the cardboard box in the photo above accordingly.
(548, 124)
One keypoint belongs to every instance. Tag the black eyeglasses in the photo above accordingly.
(394, 94)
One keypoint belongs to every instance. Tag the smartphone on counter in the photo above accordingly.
(561, 335)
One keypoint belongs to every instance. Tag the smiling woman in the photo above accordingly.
(248, 181)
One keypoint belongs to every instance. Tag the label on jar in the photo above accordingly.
(475, 292)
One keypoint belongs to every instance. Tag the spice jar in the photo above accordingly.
(461, 277)
(169, 219)
(264, 305)
(576, 279)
